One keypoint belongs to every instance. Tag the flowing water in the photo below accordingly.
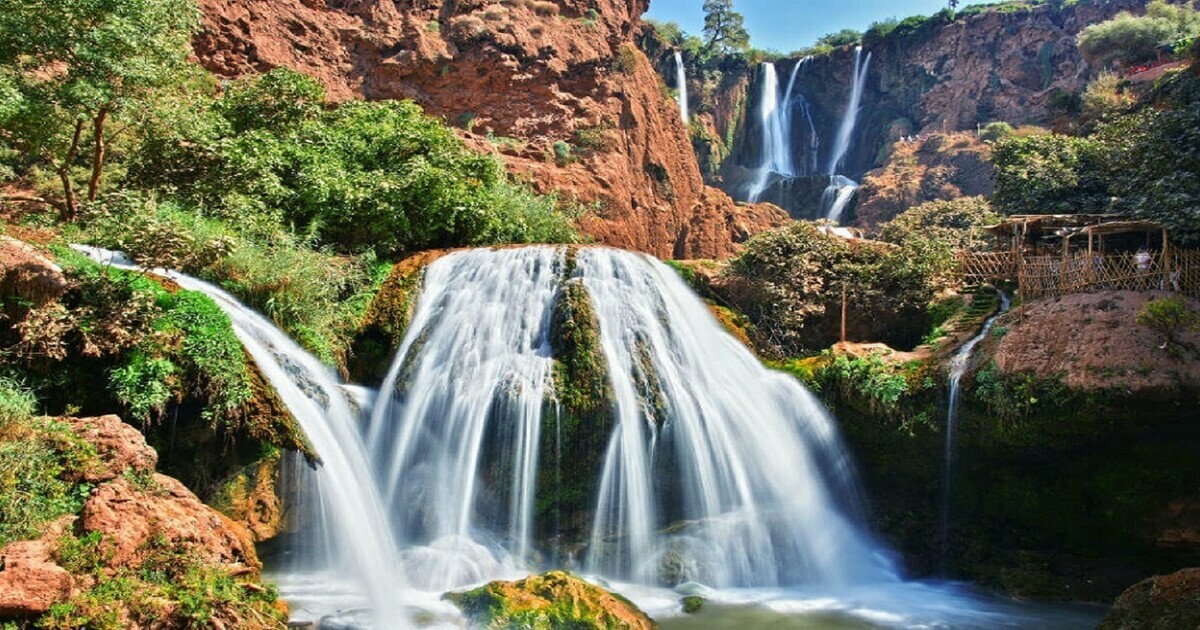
(681, 86)
(841, 189)
(719, 477)
(958, 367)
(775, 117)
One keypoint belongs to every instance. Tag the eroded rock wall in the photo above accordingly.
(556, 87)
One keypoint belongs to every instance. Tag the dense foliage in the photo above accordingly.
(379, 175)
(1131, 39)
(790, 283)
(1140, 159)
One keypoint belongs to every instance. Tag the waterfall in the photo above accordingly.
(739, 463)
(837, 196)
(958, 367)
(841, 189)
(775, 117)
(457, 428)
(858, 82)
(356, 527)
(681, 86)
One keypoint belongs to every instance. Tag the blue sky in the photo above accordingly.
(787, 25)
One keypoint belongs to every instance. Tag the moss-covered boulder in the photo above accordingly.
(553, 600)
(1163, 601)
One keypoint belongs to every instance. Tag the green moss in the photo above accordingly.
(580, 371)
(556, 600)
(692, 604)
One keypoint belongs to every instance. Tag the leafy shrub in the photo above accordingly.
(626, 60)
(1135, 39)
(1170, 317)
(1050, 174)
(789, 282)
(364, 175)
(995, 131)
(563, 153)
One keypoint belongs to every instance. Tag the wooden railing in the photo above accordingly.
(1049, 276)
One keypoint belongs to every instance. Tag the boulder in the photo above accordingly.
(553, 600)
(27, 274)
(131, 513)
(1163, 602)
(120, 448)
(30, 581)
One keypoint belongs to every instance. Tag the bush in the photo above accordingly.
(995, 131)
(1136, 39)
(364, 175)
(1169, 318)
(789, 283)
(1050, 174)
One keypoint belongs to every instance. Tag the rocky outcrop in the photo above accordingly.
(30, 581)
(1092, 342)
(134, 517)
(553, 600)
(926, 168)
(557, 88)
(1163, 602)
(26, 274)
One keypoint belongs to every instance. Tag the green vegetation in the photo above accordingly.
(724, 28)
(789, 282)
(937, 230)
(543, 602)
(1169, 317)
(40, 461)
(1131, 40)
(1139, 157)
(169, 586)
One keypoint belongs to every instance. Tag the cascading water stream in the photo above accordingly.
(459, 419)
(958, 367)
(716, 470)
(775, 116)
(740, 463)
(841, 189)
(681, 86)
(356, 526)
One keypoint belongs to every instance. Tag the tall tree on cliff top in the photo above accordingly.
(81, 63)
(724, 28)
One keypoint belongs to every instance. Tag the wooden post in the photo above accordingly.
(1166, 255)
(843, 313)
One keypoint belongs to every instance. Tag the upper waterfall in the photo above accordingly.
(858, 81)
(681, 86)
(775, 117)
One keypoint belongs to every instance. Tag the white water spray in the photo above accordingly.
(681, 87)
(739, 464)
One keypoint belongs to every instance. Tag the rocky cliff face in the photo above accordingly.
(555, 87)
(1015, 63)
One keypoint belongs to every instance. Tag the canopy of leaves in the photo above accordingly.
(1049, 174)
(724, 29)
(790, 283)
(1134, 39)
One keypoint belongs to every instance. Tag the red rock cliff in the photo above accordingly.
(557, 87)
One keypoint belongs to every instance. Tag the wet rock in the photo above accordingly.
(692, 604)
(1163, 602)
(553, 600)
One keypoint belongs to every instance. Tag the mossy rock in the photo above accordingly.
(692, 604)
(553, 600)
(386, 319)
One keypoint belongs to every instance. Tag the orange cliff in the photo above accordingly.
(557, 88)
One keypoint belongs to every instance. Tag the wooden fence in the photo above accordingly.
(1049, 276)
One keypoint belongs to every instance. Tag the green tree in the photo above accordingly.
(724, 28)
(1050, 174)
(80, 63)
(844, 37)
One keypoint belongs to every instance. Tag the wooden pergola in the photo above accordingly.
(1048, 255)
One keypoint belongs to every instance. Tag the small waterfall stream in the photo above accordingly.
(958, 367)
(681, 86)
(775, 116)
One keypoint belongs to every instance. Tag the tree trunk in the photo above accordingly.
(64, 172)
(98, 154)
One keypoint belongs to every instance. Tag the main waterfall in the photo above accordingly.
(714, 472)
(841, 189)
(740, 465)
